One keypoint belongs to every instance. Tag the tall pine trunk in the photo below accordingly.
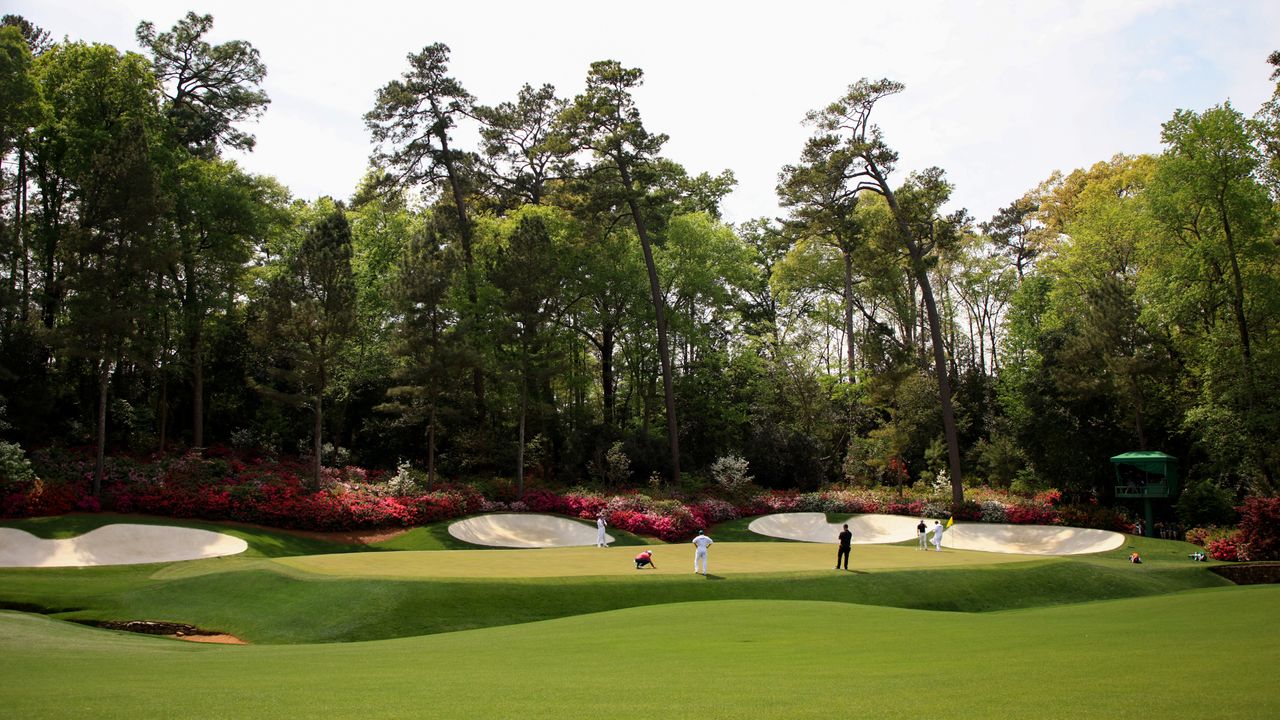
(99, 465)
(848, 311)
(317, 444)
(524, 407)
(431, 445)
(606, 376)
(664, 354)
(464, 229)
(195, 349)
(921, 273)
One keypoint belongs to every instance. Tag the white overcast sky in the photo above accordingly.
(999, 94)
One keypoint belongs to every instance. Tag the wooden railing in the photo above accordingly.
(1143, 490)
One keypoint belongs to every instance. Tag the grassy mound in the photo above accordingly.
(1197, 654)
(278, 601)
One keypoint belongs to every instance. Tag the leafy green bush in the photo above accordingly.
(1206, 503)
(1026, 481)
(15, 468)
(613, 469)
(1202, 536)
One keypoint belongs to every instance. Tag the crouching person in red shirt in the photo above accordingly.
(645, 558)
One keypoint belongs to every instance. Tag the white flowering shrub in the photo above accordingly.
(616, 469)
(942, 484)
(992, 511)
(731, 473)
(15, 468)
(406, 481)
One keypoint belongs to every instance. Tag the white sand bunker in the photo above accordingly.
(874, 529)
(521, 530)
(1030, 539)
(869, 529)
(120, 544)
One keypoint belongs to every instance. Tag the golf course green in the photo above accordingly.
(434, 630)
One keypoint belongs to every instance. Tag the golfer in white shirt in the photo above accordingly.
(601, 538)
(702, 542)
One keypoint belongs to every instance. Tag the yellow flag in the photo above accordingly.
(950, 521)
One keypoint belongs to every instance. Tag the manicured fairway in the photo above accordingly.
(291, 590)
(774, 632)
(727, 558)
(1199, 654)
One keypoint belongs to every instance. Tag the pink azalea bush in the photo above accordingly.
(1257, 538)
(1203, 536)
(216, 486)
(1227, 548)
(219, 484)
(1260, 528)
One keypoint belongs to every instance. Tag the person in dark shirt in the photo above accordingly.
(846, 538)
(645, 558)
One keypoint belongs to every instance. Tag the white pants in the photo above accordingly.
(924, 541)
(600, 539)
(700, 555)
(937, 541)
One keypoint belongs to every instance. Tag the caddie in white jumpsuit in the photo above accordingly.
(937, 535)
(701, 542)
(601, 539)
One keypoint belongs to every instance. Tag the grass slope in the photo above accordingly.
(281, 592)
(269, 601)
(1204, 654)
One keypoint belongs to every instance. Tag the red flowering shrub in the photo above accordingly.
(583, 506)
(539, 500)
(775, 501)
(1052, 498)
(218, 484)
(714, 511)
(1032, 515)
(678, 523)
(1227, 548)
(1095, 516)
(221, 487)
(914, 508)
(1260, 528)
(1203, 536)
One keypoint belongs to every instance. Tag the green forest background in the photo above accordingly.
(556, 298)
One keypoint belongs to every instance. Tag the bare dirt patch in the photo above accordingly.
(179, 631)
(222, 639)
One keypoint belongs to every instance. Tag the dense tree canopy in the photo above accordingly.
(561, 302)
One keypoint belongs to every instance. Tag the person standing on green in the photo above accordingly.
(701, 542)
(846, 540)
(602, 539)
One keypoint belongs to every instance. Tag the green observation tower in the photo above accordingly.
(1147, 475)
